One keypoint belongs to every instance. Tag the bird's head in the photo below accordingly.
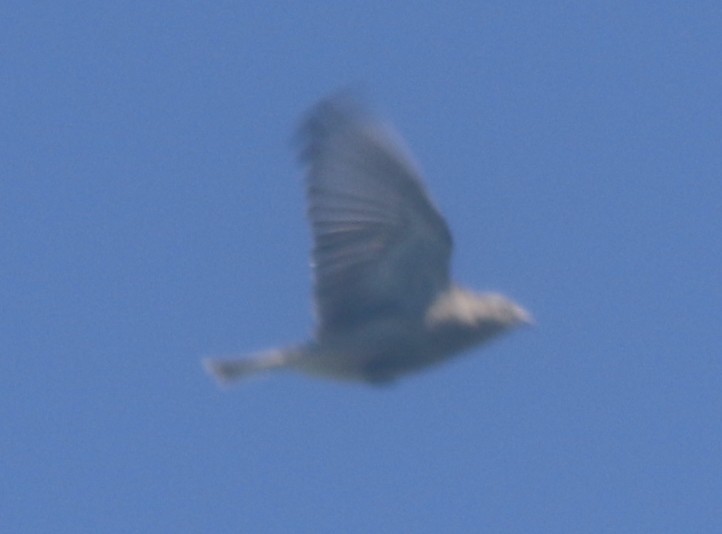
(462, 318)
(474, 310)
(500, 309)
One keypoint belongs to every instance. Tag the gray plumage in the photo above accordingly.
(381, 256)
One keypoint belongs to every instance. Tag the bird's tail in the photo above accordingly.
(228, 371)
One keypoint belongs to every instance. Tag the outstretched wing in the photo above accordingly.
(380, 245)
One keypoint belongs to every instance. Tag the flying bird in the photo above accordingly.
(385, 302)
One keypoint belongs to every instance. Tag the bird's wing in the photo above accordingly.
(380, 245)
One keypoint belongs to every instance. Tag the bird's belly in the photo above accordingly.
(377, 354)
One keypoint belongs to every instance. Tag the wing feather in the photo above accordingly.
(380, 245)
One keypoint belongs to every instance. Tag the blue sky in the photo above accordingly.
(152, 213)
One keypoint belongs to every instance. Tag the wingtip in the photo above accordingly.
(345, 105)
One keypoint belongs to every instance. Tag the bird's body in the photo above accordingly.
(386, 305)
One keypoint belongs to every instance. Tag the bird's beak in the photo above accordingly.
(525, 317)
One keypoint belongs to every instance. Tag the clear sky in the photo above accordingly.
(151, 213)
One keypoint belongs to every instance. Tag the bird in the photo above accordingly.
(385, 303)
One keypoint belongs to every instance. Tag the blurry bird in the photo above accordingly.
(381, 252)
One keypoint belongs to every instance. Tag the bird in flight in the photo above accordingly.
(385, 303)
